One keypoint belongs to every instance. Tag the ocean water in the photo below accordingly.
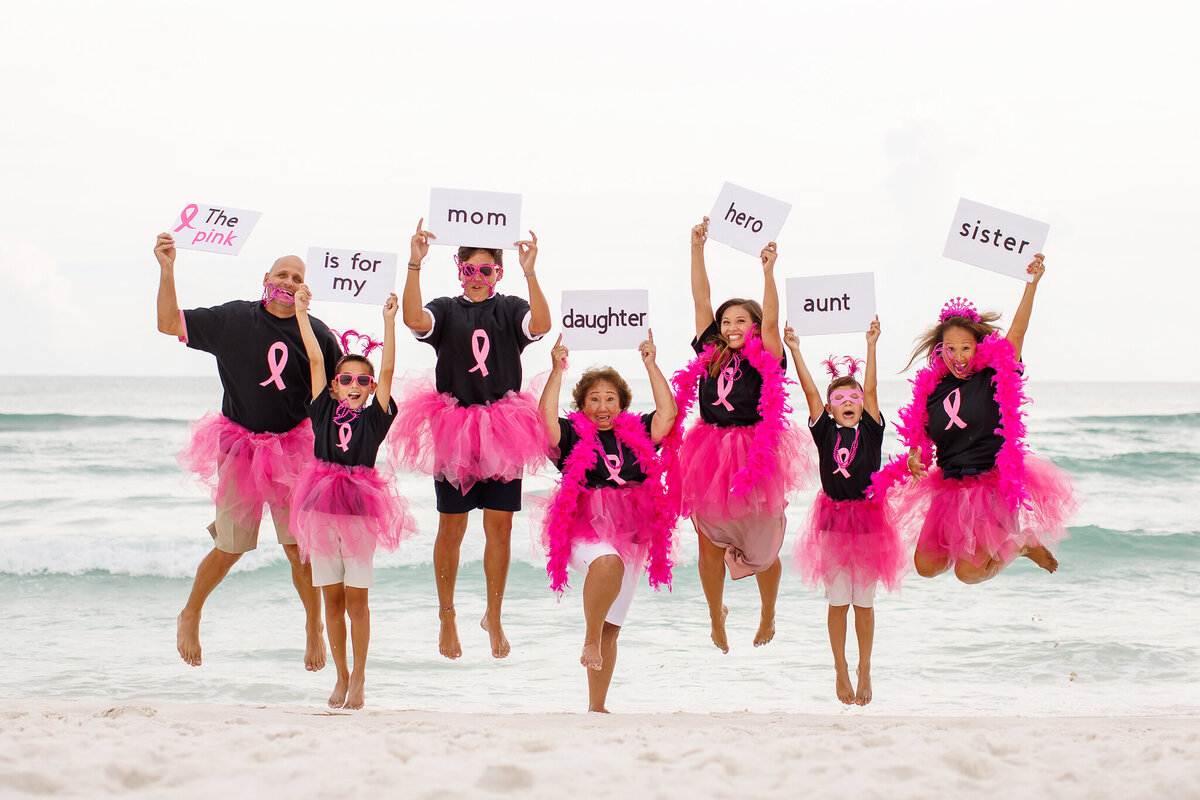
(100, 535)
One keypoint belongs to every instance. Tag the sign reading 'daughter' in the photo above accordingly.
(605, 319)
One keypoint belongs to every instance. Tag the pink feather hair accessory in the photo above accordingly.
(852, 366)
(368, 344)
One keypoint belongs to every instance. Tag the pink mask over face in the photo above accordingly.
(843, 395)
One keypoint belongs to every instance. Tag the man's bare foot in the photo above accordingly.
(766, 631)
(718, 631)
(338, 698)
(601, 710)
(590, 657)
(187, 637)
(500, 645)
(354, 697)
(1042, 557)
(845, 692)
(314, 648)
(862, 695)
(448, 644)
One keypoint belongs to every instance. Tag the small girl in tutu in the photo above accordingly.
(343, 507)
(850, 542)
(738, 463)
(609, 516)
(989, 500)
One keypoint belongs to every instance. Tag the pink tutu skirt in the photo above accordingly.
(433, 434)
(621, 517)
(356, 506)
(856, 537)
(710, 455)
(244, 469)
(968, 518)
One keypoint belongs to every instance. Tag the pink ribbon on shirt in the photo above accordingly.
(724, 387)
(480, 345)
(186, 217)
(952, 403)
(344, 434)
(276, 364)
(842, 456)
(613, 464)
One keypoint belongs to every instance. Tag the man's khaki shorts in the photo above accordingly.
(230, 537)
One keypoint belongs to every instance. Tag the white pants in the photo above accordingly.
(582, 556)
(842, 592)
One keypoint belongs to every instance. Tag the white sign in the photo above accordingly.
(350, 276)
(994, 239)
(474, 219)
(605, 319)
(213, 228)
(746, 220)
(831, 303)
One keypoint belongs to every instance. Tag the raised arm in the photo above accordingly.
(701, 293)
(387, 366)
(816, 403)
(539, 309)
(770, 326)
(870, 384)
(549, 401)
(1020, 323)
(665, 409)
(415, 316)
(316, 359)
(169, 321)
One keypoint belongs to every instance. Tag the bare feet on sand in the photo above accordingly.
(845, 691)
(590, 657)
(862, 695)
(500, 645)
(354, 698)
(766, 631)
(718, 631)
(187, 637)
(314, 649)
(1042, 557)
(338, 698)
(600, 710)
(448, 644)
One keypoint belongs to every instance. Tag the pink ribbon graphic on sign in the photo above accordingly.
(952, 403)
(724, 386)
(480, 345)
(344, 434)
(276, 364)
(613, 463)
(187, 216)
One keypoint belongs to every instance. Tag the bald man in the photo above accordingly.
(251, 453)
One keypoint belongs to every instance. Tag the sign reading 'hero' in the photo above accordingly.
(474, 219)
(213, 228)
(746, 220)
(351, 276)
(997, 240)
(831, 303)
(605, 319)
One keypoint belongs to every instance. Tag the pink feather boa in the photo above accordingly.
(995, 352)
(772, 407)
(564, 508)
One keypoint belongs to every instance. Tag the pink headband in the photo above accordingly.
(959, 307)
(345, 338)
(852, 364)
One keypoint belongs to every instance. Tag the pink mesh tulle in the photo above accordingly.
(348, 511)
(710, 456)
(620, 516)
(465, 444)
(969, 519)
(244, 470)
(857, 537)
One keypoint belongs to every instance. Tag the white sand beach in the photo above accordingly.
(95, 749)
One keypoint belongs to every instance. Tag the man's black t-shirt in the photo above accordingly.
(622, 462)
(731, 398)
(835, 444)
(478, 346)
(261, 361)
(354, 440)
(963, 419)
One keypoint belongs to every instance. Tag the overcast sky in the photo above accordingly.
(618, 123)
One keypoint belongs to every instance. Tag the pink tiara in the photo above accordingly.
(345, 339)
(852, 365)
(959, 307)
